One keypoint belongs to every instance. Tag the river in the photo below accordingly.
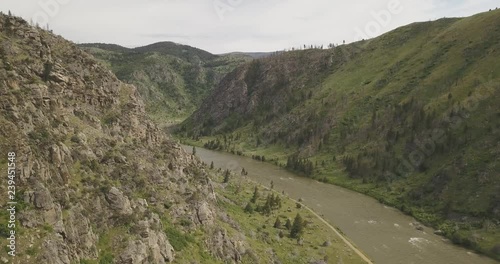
(385, 234)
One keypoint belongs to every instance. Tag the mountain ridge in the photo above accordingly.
(356, 115)
(173, 78)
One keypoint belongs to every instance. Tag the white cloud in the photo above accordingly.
(244, 25)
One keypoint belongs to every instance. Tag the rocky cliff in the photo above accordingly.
(97, 182)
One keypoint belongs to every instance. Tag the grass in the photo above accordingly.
(177, 239)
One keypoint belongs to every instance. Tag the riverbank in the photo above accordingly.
(271, 159)
(320, 240)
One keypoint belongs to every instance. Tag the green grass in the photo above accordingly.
(177, 239)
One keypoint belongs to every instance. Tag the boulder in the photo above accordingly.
(205, 215)
(135, 253)
(119, 202)
(43, 199)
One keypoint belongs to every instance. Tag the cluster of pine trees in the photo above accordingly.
(296, 229)
(273, 202)
(259, 158)
(214, 145)
(303, 166)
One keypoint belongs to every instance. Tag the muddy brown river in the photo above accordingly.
(383, 233)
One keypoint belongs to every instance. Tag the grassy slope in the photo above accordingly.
(264, 238)
(363, 120)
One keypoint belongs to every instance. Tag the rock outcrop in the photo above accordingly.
(97, 180)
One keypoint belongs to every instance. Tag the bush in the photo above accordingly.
(47, 69)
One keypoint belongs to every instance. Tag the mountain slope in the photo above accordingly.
(411, 117)
(172, 78)
(97, 182)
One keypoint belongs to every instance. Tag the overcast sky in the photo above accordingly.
(221, 26)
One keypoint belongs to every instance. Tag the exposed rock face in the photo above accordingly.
(205, 216)
(94, 173)
(43, 199)
(226, 248)
(135, 253)
(119, 202)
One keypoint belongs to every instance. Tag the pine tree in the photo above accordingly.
(255, 195)
(288, 224)
(227, 176)
(249, 208)
(277, 223)
(297, 227)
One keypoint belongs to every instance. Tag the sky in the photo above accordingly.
(222, 26)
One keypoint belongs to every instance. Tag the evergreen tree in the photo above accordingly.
(212, 165)
(227, 176)
(277, 223)
(249, 208)
(297, 227)
(266, 209)
(288, 224)
(194, 151)
(255, 195)
(47, 70)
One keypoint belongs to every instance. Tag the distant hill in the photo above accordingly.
(108, 47)
(172, 78)
(253, 55)
(411, 117)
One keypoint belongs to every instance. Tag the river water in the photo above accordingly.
(385, 234)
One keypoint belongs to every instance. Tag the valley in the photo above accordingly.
(410, 118)
(385, 150)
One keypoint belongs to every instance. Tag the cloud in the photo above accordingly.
(221, 26)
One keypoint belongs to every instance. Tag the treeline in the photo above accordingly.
(303, 166)
(259, 158)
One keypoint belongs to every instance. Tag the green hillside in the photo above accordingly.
(411, 118)
(172, 78)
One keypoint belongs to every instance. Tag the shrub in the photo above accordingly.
(47, 69)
